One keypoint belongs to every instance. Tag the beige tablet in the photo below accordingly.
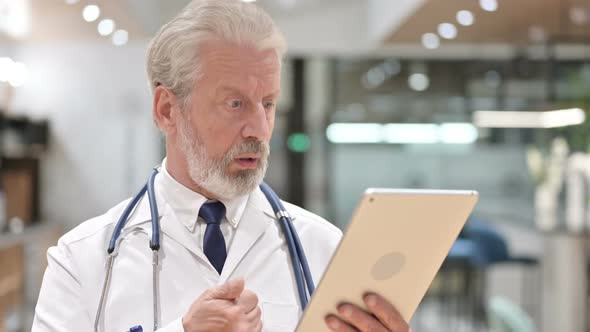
(394, 245)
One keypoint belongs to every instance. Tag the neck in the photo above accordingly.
(177, 167)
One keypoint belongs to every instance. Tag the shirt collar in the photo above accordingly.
(186, 203)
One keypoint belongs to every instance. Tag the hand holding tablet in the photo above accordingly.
(394, 246)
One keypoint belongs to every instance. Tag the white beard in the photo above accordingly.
(213, 174)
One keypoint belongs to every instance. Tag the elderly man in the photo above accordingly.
(215, 72)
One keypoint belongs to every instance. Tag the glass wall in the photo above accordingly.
(432, 96)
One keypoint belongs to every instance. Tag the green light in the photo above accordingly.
(298, 142)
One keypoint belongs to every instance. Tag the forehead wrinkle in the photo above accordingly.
(249, 84)
(250, 73)
(253, 87)
(256, 62)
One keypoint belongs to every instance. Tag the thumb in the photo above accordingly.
(231, 290)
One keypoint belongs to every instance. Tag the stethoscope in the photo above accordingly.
(298, 259)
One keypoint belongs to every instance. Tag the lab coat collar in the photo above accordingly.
(141, 214)
(169, 226)
(256, 218)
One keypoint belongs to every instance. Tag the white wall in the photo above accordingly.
(103, 142)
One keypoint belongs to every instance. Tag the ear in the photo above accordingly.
(166, 110)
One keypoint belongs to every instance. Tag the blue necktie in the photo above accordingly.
(213, 241)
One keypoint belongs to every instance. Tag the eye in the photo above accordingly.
(268, 105)
(235, 104)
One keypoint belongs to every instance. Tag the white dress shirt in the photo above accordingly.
(187, 203)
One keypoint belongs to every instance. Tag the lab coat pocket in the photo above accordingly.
(279, 317)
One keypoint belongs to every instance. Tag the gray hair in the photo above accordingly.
(173, 55)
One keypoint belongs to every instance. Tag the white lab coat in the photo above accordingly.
(76, 268)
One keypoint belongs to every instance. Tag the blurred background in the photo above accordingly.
(490, 95)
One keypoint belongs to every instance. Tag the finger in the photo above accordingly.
(360, 319)
(338, 325)
(254, 315)
(230, 290)
(247, 301)
(386, 313)
(258, 327)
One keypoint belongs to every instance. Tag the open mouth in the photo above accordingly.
(248, 162)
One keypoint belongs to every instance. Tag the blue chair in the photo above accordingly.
(478, 247)
(495, 248)
(466, 250)
(469, 259)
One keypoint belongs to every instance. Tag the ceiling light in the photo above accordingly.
(72, 2)
(447, 30)
(457, 133)
(402, 133)
(489, 5)
(465, 17)
(106, 27)
(430, 41)
(408, 133)
(579, 16)
(418, 81)
(15, 18)
(15, 73)
(120, 37)
(91, 13)
(18, 74)
(550, 119)
(354, 133)
(5, 69)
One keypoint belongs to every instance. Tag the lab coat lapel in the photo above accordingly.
(169, 224)
(252, 226)
(176, 231)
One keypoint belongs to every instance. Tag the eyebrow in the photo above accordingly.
(229, 88)
(274, 93)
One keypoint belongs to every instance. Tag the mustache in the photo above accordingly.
(249, 146)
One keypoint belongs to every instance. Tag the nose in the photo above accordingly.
(257, 124)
